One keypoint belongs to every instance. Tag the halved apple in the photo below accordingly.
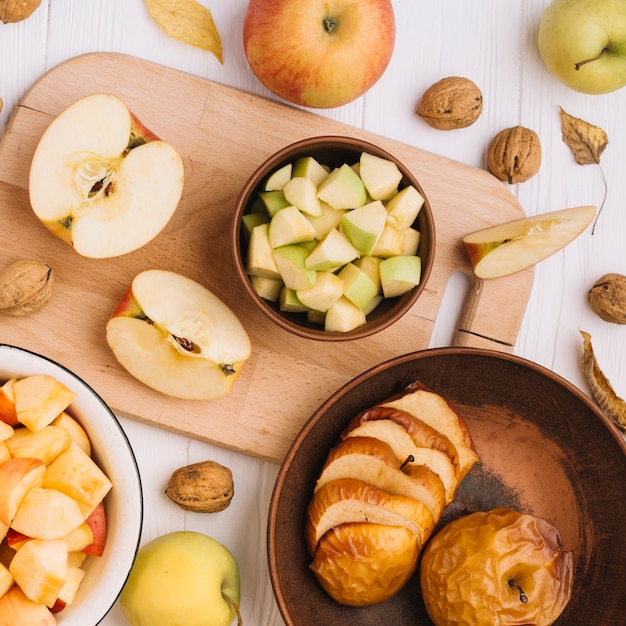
(101, 181)
(513, 246)
(177, 337)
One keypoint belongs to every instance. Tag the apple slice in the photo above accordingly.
(7, 403)
(330, 218)
(17, 476)
(288, 301)
(277, 179)
(97, 523)
(268, 288)
(514, 246)
(290, 226)
(404, 207)
(364, 225)
(380, 176)
(311, 168)
(332, 252)
(291, 263)
(412, 238)
(250, 220)
(344, 316)
(260, 258)
(390, 243)
(5, 455)
(40, 569)
(77, 433)
(358, 287)
(101, 181)
(326, 290)
(301, 191)
(177, 337)
(6, 579)
(343, 189)
(45, 444)
(399, 274)
(67, 593)
(16, 608)
(273, 201)
(39, 399)
(6, 431)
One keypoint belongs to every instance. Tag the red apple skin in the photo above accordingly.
(97, 522)
(12, 472)
(294, 56)
(7, 410)
(128, 306)
(16, 608)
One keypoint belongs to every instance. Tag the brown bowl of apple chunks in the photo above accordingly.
(70, 496)
(333, 238)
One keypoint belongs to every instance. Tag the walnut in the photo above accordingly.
(25, 287)
(450, 103)
(17, 10)
(607, 298)
(514, 154)
(205, 487)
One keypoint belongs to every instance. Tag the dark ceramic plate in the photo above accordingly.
(545, 449)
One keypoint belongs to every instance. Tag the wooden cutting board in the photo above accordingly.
(223, 134)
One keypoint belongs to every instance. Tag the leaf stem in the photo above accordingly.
(606, 190)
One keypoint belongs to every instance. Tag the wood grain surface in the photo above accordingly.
(223, 134)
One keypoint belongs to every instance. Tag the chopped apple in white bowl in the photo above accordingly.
(175, 336)
(103, 182)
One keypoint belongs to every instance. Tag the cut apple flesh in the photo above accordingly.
(177, 337)
(514, 246)
(101, 181)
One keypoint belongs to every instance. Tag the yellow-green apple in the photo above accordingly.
(583, 43)
(364, 225)
(513, 246)
(497, 566)
(404, 207)
(399, 274)
(326, 290)
(390, 243)
(16, 608)
(101, 181)
(174, 335)
(288, 226)
(276, 180)
(290, 261)
(301, 191)
(358, 287)
(182, 577)
(343, 189)
(311, 168)
(288, 301)
(319, 54)
(330, 218)
(380, 176)
(17, 476)
(260, 258)
(268, 288)
(344, 316)
(273, 200)
(334, 251)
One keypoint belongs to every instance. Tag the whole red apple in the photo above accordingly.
(317, 53)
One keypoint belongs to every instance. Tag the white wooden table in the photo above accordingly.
(490, 41)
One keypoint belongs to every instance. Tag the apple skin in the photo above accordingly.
(583, 44)
(182, 578)
(295, 55)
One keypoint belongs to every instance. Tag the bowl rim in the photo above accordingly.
(405, 302)
(66, 375)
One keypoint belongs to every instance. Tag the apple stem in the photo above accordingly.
(578, 65)
(235, 606)
(409, 459)
(330, 23)
(523, 598)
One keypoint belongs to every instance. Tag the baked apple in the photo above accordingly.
(496, 567)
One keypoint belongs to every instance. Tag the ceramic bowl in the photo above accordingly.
(332, 151)
(106, 574)
(545, 449)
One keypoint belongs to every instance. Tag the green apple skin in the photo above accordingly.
(589, 35)
(343, 189)
(182, 578)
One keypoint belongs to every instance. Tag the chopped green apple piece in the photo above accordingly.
(513, 246)
(371, 266)
(268, 288)
(273, 201)
(412, 238)
(364, 225)
(289, 226)
(260, 260)
(343, 189)
(404, 207)
(289, 303)
(277, 179)
(309, 167)
(390, 243)
(332, 252)
(399, 274)
(316, 317)
(358, 287)
(250, 220)
(290, 261)
(329, 219)
(327, 289)
(381, 177)
(374, 302)
(302, 193)
(343, 316)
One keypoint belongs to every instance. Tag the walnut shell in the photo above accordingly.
(514, 154)
(25, 287)
(205, 487)
(12, 11)
(607, 298)
(450, 103)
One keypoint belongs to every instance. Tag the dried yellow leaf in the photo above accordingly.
(586, 141)
(188, 21)
(613, 406)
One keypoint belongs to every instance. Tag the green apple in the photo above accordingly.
(583, 43)
(404, 207)
(302, 193)
(329, 219)
(343, 316)
(288, 301)
(332, 252)
(277, 179)
(399, 274)
(343, 189)
(412, 239)
(291, 263)
(513, 246)
(371, 266)
(390, 243)
(373, 303)
(311, 168)
(268, 288)
(358, 287)
(260, 259)
(364, 225)
(289, 226)
(182, 577)
(250, 220)
(273, 201)
(380, 176)
(328, 288)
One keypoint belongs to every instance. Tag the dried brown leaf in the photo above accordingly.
(188, 21)
(613, 406)
(586, 141)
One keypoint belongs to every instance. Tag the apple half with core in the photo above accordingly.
(583, 44)
(319, 54)
(175, 336)
(101, 181)
(514, 246)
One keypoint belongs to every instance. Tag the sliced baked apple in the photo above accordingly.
(177, 337)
